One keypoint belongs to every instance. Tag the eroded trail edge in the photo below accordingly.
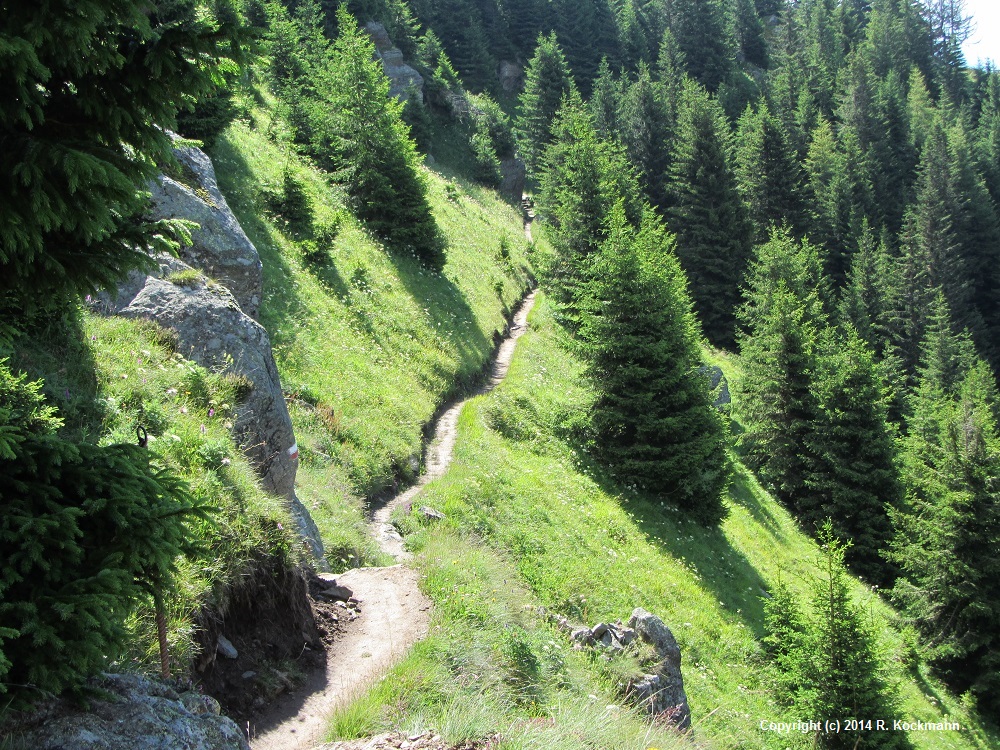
(394, 612)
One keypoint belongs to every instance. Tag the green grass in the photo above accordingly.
(369, 343)
(527, 506)
(109, 375)
(493, 667)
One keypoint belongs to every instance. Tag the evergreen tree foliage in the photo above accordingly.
(940, 230)
(588, 32)
(86, 533)
(864, 301)
(946, 540)
(783, 319)
(750, 34)
(707, 214)
(701, 31)
(949, 28)
(547, 84)
(920, 107)
(836, 218)
(852, 476)
(670, 64)
(526, 19)
(654, 418)
(583, 178)
(876, 113)
(606, 98)
(910, 292)
(490, 118)
(362, 136)
(645, 124)
(462, 28)
(784, 641)
(988, 136)
(768, 173)
(829, 662)
(634, 41)
(823, 51)
(87, 90)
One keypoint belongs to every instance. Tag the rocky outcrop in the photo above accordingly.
(139, 714)
(404, 81)
(514, 175)
(719, 385)
(611, 636)
(201, 297)
(511, 76)
(219, 246)
(662, 691)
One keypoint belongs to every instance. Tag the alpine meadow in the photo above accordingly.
(498, 375)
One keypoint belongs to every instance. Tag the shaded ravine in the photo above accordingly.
(394, 612)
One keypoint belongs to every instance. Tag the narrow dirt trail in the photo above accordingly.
(394, 613)
(439, 453)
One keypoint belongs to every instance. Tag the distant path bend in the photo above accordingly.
(394, 612)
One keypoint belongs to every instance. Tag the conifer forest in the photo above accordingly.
(761, 368)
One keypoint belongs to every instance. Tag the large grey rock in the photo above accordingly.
(139, 714)
(214, 332)
(511, 76)
(514, 176)
(718, 383)
(662, 692)
(216, 322)
(219, 247)
(404, 81)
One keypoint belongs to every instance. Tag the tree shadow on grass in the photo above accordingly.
(54, 350)
(449, 314)
(725, 571)
(238, 185)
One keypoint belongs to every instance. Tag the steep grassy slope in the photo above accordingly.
(530, 516)
(369, 343)
(109, 375)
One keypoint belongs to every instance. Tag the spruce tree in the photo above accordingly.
(836, 220)
(941, 229)
(830, 664)
(701, 31)
(654, 419)
(783, 319)
(750, 34)
(864, 299)
(852, 477)
(547, 84)
(713, 242)
(768, 173)
(988, 136)
(87, 92)
(646, 125)
(605, 100)
(670, 66)
(633, 36)
(588, 31)
(87, 532)
(362, 136)
(582, 178)
(946, 541)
